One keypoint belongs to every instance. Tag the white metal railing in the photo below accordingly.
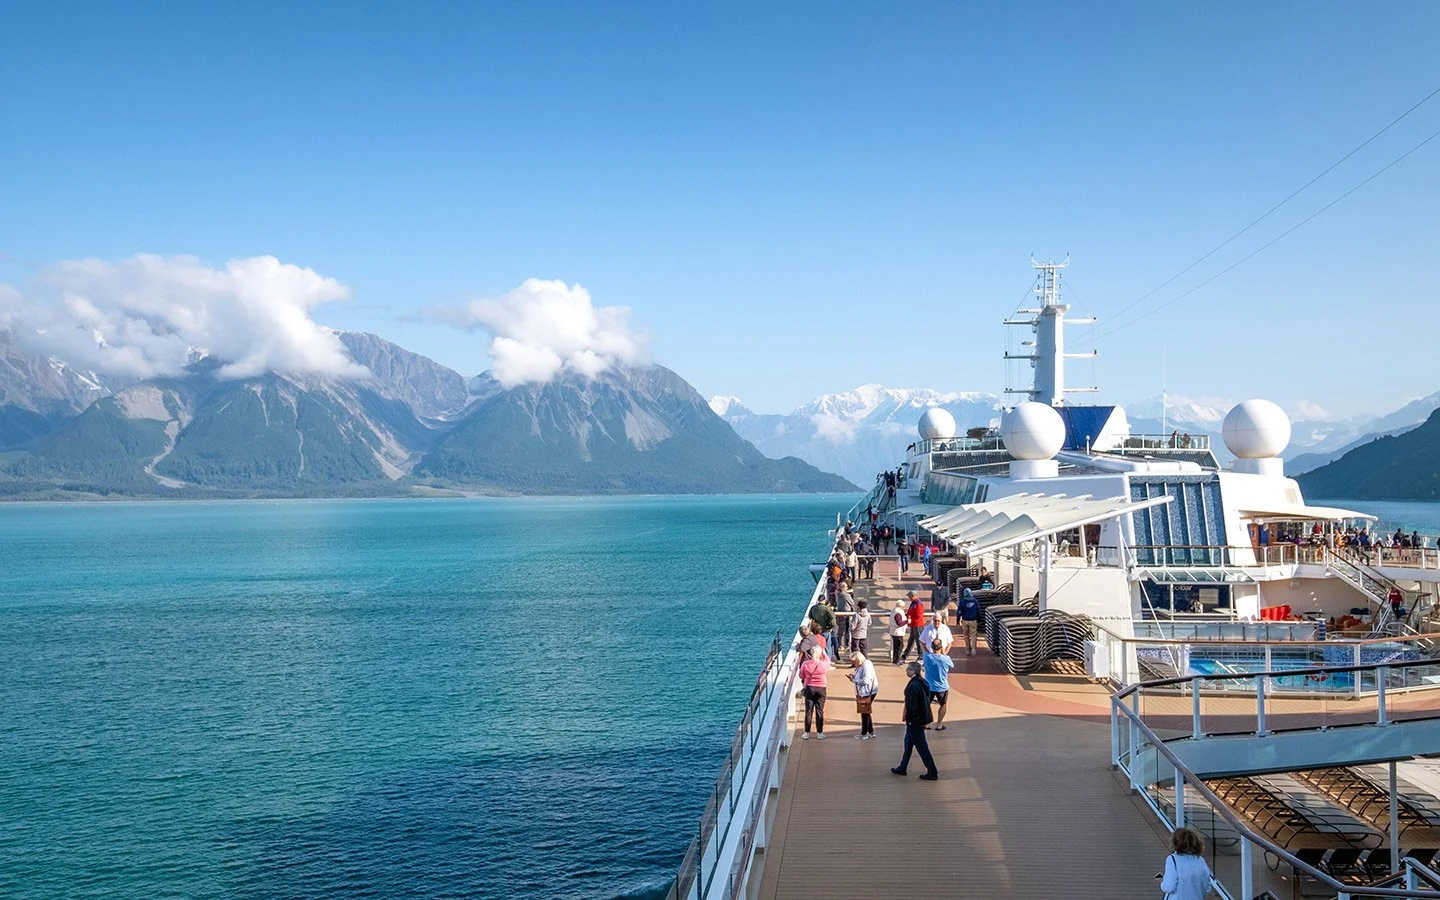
(718, 861)
(1176, 794)
(1242, 649)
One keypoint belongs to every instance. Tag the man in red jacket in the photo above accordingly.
(915, 614)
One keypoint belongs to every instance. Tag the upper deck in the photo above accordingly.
(1026, 805)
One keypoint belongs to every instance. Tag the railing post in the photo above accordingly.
(1179, 798)
(1260, 707)
(1114, 735)
(1382, 715)
(1134, 756)
(1355, 653)
(1394, 820)
(1196, 730)
(1247, 874)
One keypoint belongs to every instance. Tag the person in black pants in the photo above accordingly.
(917, 716)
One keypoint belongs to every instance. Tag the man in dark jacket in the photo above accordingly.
(917, 716)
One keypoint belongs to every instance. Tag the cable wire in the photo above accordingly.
(1223, 244)
(1392, 164)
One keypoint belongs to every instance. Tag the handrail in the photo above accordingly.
(733, 844)
(1221, 808)
(1274, 673)
(1328, 642)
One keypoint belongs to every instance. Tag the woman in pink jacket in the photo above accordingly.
(812, 676)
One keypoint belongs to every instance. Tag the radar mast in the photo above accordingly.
(1048, 324)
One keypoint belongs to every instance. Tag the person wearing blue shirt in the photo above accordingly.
(937, 679)
(968, 611)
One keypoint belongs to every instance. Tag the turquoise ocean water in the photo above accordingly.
(525, 698)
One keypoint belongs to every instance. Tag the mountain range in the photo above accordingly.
(412, 426)
(1404, 466)
(860, 432)
(856, 433)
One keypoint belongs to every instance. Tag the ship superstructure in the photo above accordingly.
(1259, 667)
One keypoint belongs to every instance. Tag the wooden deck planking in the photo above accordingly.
(1026, 805)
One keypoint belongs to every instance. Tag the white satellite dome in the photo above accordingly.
(936, 424)
(1032, 431)
(1256, 429)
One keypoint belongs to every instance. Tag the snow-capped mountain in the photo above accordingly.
(855, 433)
(860, 432)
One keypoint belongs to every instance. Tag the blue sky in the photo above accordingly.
(792, 198)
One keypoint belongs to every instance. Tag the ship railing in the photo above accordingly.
(1228, 556)
(1234, 651)
(856, 513)
(1144, 716)
(1174, 441)
(959, 444)
(1398, 557)
(718, 861)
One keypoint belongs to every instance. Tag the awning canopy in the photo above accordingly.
(1299, 512)
(981, 527)
(924, 509)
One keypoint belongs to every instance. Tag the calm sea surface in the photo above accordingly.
(524, 698)
(1392, 514)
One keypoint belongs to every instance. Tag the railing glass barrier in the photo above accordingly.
(1258, 841)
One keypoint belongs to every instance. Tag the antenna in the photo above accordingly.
(1048, 323)
(1164, 384)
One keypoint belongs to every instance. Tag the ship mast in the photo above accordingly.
(1048, 323)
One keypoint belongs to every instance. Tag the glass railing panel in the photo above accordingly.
(1413, 692)
(1166, 711)
(1222, 841)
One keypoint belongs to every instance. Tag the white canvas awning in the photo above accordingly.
(1299, 512)
(981, 527)
(925, 509)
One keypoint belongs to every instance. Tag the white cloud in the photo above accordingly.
(834, 428)
(148, 315)
(1306, 409)
(543, 327)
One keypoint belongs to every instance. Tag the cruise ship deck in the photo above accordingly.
(1026, 804)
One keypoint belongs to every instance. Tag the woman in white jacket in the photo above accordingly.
(1187, 876)
(867, 685)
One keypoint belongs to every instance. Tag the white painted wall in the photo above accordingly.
(1328, 596)
(1102, 594)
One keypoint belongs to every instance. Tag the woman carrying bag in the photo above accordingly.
(867, 685)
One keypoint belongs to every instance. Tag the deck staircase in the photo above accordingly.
(1377, 588)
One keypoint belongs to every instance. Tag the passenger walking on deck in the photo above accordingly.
(844, 605)
(899, 627)
(937, 678)
(915, 618)
(1186, 875)
(968, 615)
(867, 685)
(940, 598)
(903, 551)
(812, 676)
(916, 716)
(860, 629)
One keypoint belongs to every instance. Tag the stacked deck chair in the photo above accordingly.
(1028, 643)
(1063, 635)
(960, 578)
(1005, 593)
(942, 566)
(996, 614)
